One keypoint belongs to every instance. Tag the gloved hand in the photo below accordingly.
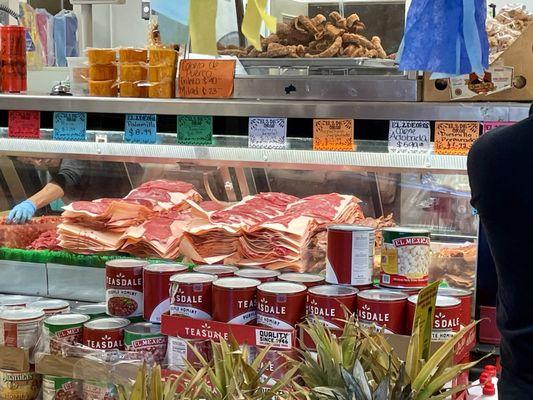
(22, 212)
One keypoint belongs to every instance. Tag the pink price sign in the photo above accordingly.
(24, 124)
(490, 125)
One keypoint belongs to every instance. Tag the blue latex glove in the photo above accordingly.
(22, 212)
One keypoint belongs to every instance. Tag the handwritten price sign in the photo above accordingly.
(267, 133)
(490, 125)
(409, 136)
(70, 126)
(24, 124)
(455, 138)
(333, 134)
(195, 130)
(140, 128)
(206, 78)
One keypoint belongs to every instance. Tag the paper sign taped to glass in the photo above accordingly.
(496, 79)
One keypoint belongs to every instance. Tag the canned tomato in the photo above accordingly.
(105, 333)
(263, 275)
(19, 385)
(17, 301)
(146, 338)
(234, 300)
(328, 302)
(51, 307)
(308, 280)
(465, 296)
(93, 311)
(350, 255)
(59, 388)
(92, 390)
(124, 288)
(280, 304)
(447, 317)
(190, 295)
(221, 271)
(405, 257)
(156, 283)
(64, 328)
(20, 327)
(382, 308)
(179, 351)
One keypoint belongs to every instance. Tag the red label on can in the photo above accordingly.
(156, 294)
(411, 241)
(447, 320)
(191, 300)
(104, 339)
(234, 306)
(330, 309)
(179, 351)
(124, 286)
(388, 314)
(276, 363)
(282, 311)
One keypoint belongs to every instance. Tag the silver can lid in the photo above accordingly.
(350, 227)
(126, 263)
(215, 269)
(281, 287)
(107, 323)
(164, 267)
(193, 277)
(143, 327)
(236, 283)
(382, 295)
(66, 319)
(333, 290)
(442, 301)
(257, 273)
(297, 277)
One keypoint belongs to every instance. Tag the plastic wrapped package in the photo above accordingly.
(34, 52)
(162, 72)
(132, 55)
(133, 89)
(21, 236)
(45, 28)
(65, 36)
(103, 72)
(454, 264)
(78, 73)
(101, 56)
(103, 88)
(161, 90)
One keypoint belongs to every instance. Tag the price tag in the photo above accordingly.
(333, 134)
(195, 130)
(409, 136)
(490, 125)
(24, 124)
(267, 133)
(455, 138)
(140, 128)
(206, 78)
(70, 126)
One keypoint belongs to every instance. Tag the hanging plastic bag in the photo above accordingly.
(45, 26)
(446, 37)
(65, 36)
(34, 54)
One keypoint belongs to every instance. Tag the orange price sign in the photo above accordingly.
(333, 134)
(455, 138)
(211, 79)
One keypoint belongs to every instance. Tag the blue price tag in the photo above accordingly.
(70, 126)
(140, 128)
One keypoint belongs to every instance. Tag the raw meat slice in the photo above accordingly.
(165, 195)
(80, 239)
(46, 241)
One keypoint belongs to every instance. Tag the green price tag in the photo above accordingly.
(195, 130)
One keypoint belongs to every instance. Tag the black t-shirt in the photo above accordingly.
(500, 168)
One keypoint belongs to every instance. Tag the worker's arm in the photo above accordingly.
(25, 211)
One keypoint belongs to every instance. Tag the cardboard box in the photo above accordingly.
(518, 56)
(188, 328)
(14, 359)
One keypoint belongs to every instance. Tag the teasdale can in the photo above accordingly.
(190, 295)
(234, 300)
(382, 308)
(350, 255)
(328, 304)
(280, 305)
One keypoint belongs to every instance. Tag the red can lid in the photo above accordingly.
(454, 292)
(300, 278)
(215, 269)
(333, 290)
(442, 301)
(489, 389)
(164, 267)
(107, 323)
(281, 287)
(193, 277)
(381, 295)
(126, 263)
(236, 283)
(257, 273)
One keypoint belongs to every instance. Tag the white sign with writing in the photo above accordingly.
(267, 133)
(409, 136)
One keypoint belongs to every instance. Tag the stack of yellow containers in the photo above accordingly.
(102, 72)
(133, 72)
(162, 72)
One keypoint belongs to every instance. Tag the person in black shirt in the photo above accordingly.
(76, 180)
(500, 169)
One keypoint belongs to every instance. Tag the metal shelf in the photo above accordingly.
(273, 108)
(370, 157)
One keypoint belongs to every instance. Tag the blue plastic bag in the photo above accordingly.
(446, 37)
(65, 37)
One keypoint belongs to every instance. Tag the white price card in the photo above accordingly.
(267, 133)
(409, 136)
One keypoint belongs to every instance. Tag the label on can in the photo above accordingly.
(64, 328)
(154, 344)
(99, 391)
(382, 308)
(58, 388)
(179, 351)
(405, 257)
(191, 295)
(350, 255)
(20, 327)
(280, 305)
(328, 304)
(19, 385)
(105, 333)
(124, 288)
(234, 300)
